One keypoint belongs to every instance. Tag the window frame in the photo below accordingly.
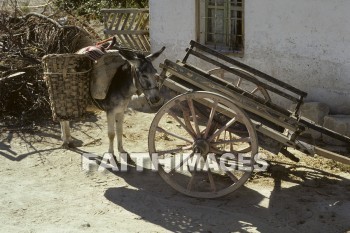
(202, 26)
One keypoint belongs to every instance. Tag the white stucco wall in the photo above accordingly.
(304, 43)
(172, 24)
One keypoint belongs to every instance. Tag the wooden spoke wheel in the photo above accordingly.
(195, 154)
(241, 83)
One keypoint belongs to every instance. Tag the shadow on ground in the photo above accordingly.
(309, 206)
(48, 133)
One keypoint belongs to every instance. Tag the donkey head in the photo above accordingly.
(146, 76)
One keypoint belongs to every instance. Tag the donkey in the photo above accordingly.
(136, 75)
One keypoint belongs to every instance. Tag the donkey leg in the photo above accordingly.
(111, 133)
(119, 119)
(65, 134)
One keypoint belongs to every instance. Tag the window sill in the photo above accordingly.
(227, 52)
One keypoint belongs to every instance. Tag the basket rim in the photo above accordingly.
(64, 55)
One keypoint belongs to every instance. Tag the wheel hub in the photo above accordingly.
(202, 146)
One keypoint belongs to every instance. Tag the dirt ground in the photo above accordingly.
(44, 189)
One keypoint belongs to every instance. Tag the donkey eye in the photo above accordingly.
(145, 76)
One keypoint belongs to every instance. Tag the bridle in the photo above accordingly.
(141, 89)
(138, 84)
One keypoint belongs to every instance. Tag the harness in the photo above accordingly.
(96, 103)
(136, 81)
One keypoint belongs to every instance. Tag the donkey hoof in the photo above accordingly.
(130, 161)
(68, 145)
(65, 145)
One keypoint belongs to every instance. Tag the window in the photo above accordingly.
(221, 25)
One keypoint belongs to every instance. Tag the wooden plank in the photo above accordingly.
(114, 17)
(248, 68)
(139, 21)
(145, 22)
(146, 42)
(331, 155)
(128, 41)
(132, 21)
(135, 42)
(116, 27)
(127, 15)
(121, 39)
(139, 42)
(105, 19)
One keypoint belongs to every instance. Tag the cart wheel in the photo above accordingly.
(198, 156)
(240, 83)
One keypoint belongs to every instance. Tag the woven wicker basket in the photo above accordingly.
(67, 78)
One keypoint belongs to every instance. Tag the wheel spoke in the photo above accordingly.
(231, 141)
(187, 120)
(189, 131)
(193, 173)
(177, 150)
(194, 117)
(231, 146)
(228, 172)
(231, 122)
(225, 139)
(182, 163)
(159, 129)
(236, 163)
(230, 162)
(211, 180)
(232, 151)
(232, 177)
(211, 117)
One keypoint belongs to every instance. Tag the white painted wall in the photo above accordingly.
(304, 43)
(172, 24)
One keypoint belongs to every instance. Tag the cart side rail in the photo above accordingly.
(195, 77)
(312, 125)
(271, 84)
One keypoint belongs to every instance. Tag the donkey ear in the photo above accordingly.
(156, 54)
(130, 56)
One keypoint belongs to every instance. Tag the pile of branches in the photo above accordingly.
(24, 40)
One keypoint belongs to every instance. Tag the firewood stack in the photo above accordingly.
(24, 40)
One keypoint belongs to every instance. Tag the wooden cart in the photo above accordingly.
(218, 117)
